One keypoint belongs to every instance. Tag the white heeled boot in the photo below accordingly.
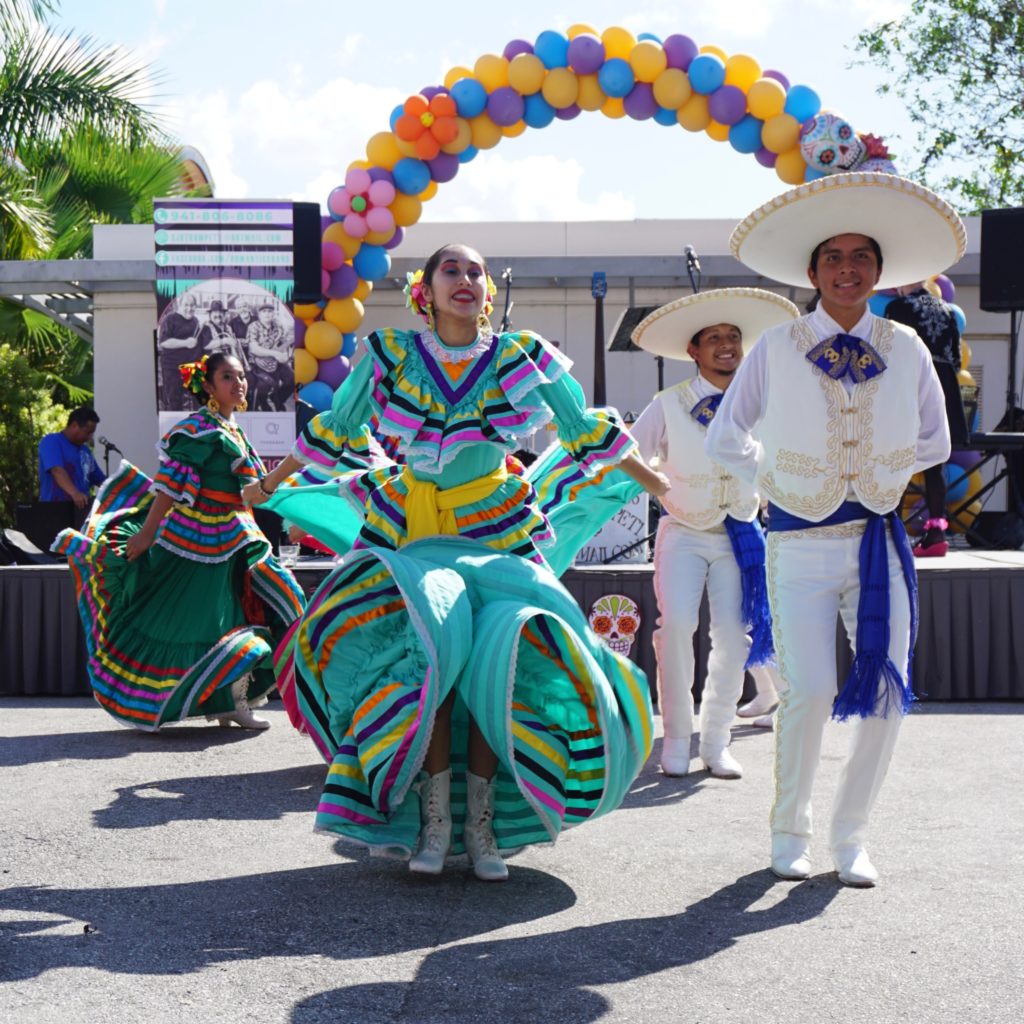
(478, 833)
(436, 827)
(242, 715)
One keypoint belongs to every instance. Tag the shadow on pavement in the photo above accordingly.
(546, 977)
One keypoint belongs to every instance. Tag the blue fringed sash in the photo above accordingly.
(859, 695)
(749, 551)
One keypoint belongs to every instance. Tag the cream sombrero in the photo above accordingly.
(919, 233)
(668, 330)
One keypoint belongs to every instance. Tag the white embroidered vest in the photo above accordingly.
(703, 493)
(819, 440)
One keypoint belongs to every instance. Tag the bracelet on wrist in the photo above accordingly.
(262, 489)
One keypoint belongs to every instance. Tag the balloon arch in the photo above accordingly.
(672, 81)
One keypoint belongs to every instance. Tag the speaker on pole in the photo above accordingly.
(1002, 241)
(306, 251)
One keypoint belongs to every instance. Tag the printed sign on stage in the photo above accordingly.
(622, 540)
(225, 283)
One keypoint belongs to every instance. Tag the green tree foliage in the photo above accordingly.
(958, 65)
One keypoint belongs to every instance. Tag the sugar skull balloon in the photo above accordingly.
(615, 618)
(829, 144)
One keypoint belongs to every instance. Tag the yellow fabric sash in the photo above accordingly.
(430, 511)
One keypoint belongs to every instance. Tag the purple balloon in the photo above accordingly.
(516, 47)
(967, 461)
(946, 288)
(343, 282)
(430, 91)
(779, 77)
(300, 333)
(727, 104)
(396, 239)
(765, 157)
(443, 167)
(680, 50)
(326, 220)
(639, 102)
(505, 106)
(381, 174)
(333, 371)
(568, 113)
(586, 54)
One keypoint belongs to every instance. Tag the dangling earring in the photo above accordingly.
(213, 405)
(242, 406)
(429, 314)
(483, 326)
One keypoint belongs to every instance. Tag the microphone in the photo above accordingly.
(692, 262)
(109, 445)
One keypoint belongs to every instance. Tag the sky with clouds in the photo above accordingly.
(280, 98)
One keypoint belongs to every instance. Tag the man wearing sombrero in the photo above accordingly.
(846, 407)
(709, 534)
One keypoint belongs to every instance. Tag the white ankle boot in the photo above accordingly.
(436, 827)
(242, 715)
(478, 833)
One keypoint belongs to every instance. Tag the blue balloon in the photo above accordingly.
(648, 35)
(470, 97)
(958, 315)
(537, 112)
(707, 73)
(317, 394)
(878, 303)
(468, 154)
(411, 176)
(395, 115)
(813, 174)
(552, 48)
(802, 102)
(745, 135)
(665, 116)
(956, 483)
(615, 77)
(372, 262)
(348, 344)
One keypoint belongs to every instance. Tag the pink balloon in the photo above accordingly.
(355, 226)
(382, 193)
(338, 201)
(358, 181)
(380, 218)
(325, 281)
(331, 255)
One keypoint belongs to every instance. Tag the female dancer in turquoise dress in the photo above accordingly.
(443, 642)
(181, 599)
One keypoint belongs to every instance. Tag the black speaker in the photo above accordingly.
(306, 251)
(1002, 245)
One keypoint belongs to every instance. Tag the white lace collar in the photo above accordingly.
(446, 354)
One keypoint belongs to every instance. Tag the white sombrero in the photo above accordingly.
(668, 330)
(920, 235)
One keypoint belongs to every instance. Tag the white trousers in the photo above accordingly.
(812, 575)
(686, 560)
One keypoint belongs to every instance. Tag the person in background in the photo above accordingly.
(178, 343)
(67, 468)
(270, 353)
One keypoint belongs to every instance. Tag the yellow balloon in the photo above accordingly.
(428, 193)
(363, 290)
(719, 132)
(648, 60)
(932, 287)
(693, 114)
(974, 482)
(382, 150)
(742, 71)
(766, 98)
(965, 355)
(581, 30)
(511, 131)
(323, 340)
(672, 88)
(614, 107)
(363, 165)
(485, 133)
(306, 310)
(455, 74)
(561, 88)
(716, 50)
(590, 95)
(378, 237)
(965, 379)
(492, 70)
(462, 140)
(965, 517)
(526, 74)
(305, 365)
(336, 233)
(791, 166)
(780, 133)
(345, 314)
(406, 210)
(618, 42)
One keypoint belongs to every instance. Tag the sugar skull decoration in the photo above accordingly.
(877, 156)
(829, 144)
(615, 618)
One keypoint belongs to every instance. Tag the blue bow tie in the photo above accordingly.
(846, 355)
(704, 411)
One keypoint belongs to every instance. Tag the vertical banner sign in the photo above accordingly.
(225, 283)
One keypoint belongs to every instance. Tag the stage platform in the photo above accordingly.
(970, 644)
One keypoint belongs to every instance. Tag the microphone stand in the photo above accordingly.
(506, 317)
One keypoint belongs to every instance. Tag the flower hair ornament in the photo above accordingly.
(193, 375)
(416, 301)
